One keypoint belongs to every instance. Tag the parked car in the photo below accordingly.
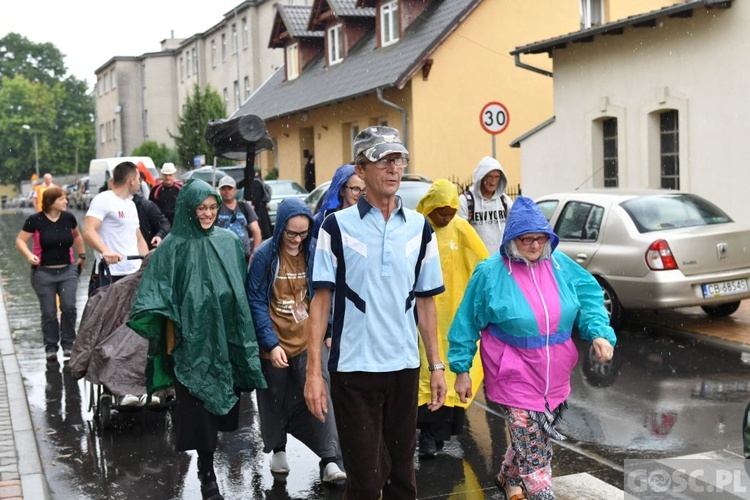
(281, 189)
(316, 196)
(80, 196)
(654, 249)
(207, 174)
(413, 188)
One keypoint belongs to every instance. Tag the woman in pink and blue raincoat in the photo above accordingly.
(526, 300)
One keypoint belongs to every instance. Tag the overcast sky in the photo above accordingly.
(90, 32)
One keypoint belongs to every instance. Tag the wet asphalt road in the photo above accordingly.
(663, 397)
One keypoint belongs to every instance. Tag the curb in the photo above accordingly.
(33, 481)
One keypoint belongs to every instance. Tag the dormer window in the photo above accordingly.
(335, 45)
(389, 23)
(292, 61)
(592, 13)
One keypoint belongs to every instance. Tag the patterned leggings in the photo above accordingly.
(527, 460)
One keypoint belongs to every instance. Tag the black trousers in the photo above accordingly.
(195, 427)
(376, 417)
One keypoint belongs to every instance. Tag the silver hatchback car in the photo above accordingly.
(654, 249)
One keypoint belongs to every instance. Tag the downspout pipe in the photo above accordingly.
(531, 68)
(404, 131)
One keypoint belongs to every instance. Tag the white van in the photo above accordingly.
(100, 169)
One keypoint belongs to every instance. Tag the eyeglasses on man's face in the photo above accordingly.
(399, 162)
(355, 189)
(207, 208)
(294, 234)
(529, 240)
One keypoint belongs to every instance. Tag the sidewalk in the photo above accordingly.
(732, 331)
(21, 474)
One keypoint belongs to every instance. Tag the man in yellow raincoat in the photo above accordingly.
(460, 250)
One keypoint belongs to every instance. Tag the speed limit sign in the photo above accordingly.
(494, 118)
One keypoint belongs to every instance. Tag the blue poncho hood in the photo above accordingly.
(525, 217)
(333, 199)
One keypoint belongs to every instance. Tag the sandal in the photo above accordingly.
(500, 483)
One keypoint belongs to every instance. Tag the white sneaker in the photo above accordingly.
(279, 464)
(130, 400)
(155, 401)
(332, 473)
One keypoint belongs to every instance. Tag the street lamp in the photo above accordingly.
(36, 150)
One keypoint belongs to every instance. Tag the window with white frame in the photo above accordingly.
(213, 53)
(187, 64)
(99, 86)
(102, 134)
(114, 129)
(223, 47)
(234, 39)
(592, 13)
(389, 23)
(182, 68)
(292, 61)
(195, 62)
(226, 98)
(335, 45)
(236, 94)
(106, 83)
(112, 79)
(245, 33)
(669, 134)
(145, 123)
(248, 90)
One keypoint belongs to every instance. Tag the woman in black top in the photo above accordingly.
(54, 268)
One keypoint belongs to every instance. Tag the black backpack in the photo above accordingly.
(470, 204)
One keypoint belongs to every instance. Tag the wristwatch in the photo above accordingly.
(439, 366)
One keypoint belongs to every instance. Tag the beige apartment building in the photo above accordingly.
(140, 98)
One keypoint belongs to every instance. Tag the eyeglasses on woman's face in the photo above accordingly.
(527, 241)
(355, 189)
(399, 162)
(294, 234)
(207, 208)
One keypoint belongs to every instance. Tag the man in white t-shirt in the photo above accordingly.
(111, 226)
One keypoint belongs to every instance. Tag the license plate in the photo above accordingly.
(724, 288)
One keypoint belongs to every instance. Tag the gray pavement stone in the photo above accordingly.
(19, 453)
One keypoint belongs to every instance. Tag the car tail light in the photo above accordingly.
(659, 256)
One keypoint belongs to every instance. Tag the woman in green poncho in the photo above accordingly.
(191, 306)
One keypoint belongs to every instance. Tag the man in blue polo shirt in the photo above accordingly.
(379, 261)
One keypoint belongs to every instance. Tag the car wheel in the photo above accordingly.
(612, 304)
(721, 310)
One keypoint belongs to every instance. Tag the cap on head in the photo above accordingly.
(168, 168)
(227, 181)
(376, 142)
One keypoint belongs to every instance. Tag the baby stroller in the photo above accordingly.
(110, 356)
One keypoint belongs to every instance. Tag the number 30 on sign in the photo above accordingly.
(494, 118)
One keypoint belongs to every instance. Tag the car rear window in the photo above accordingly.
(654, 213)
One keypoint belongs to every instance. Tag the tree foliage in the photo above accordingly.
(57, 110)
(37, 62)
(202, 106)
(160, 153)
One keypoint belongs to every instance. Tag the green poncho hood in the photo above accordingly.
(196, 280)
